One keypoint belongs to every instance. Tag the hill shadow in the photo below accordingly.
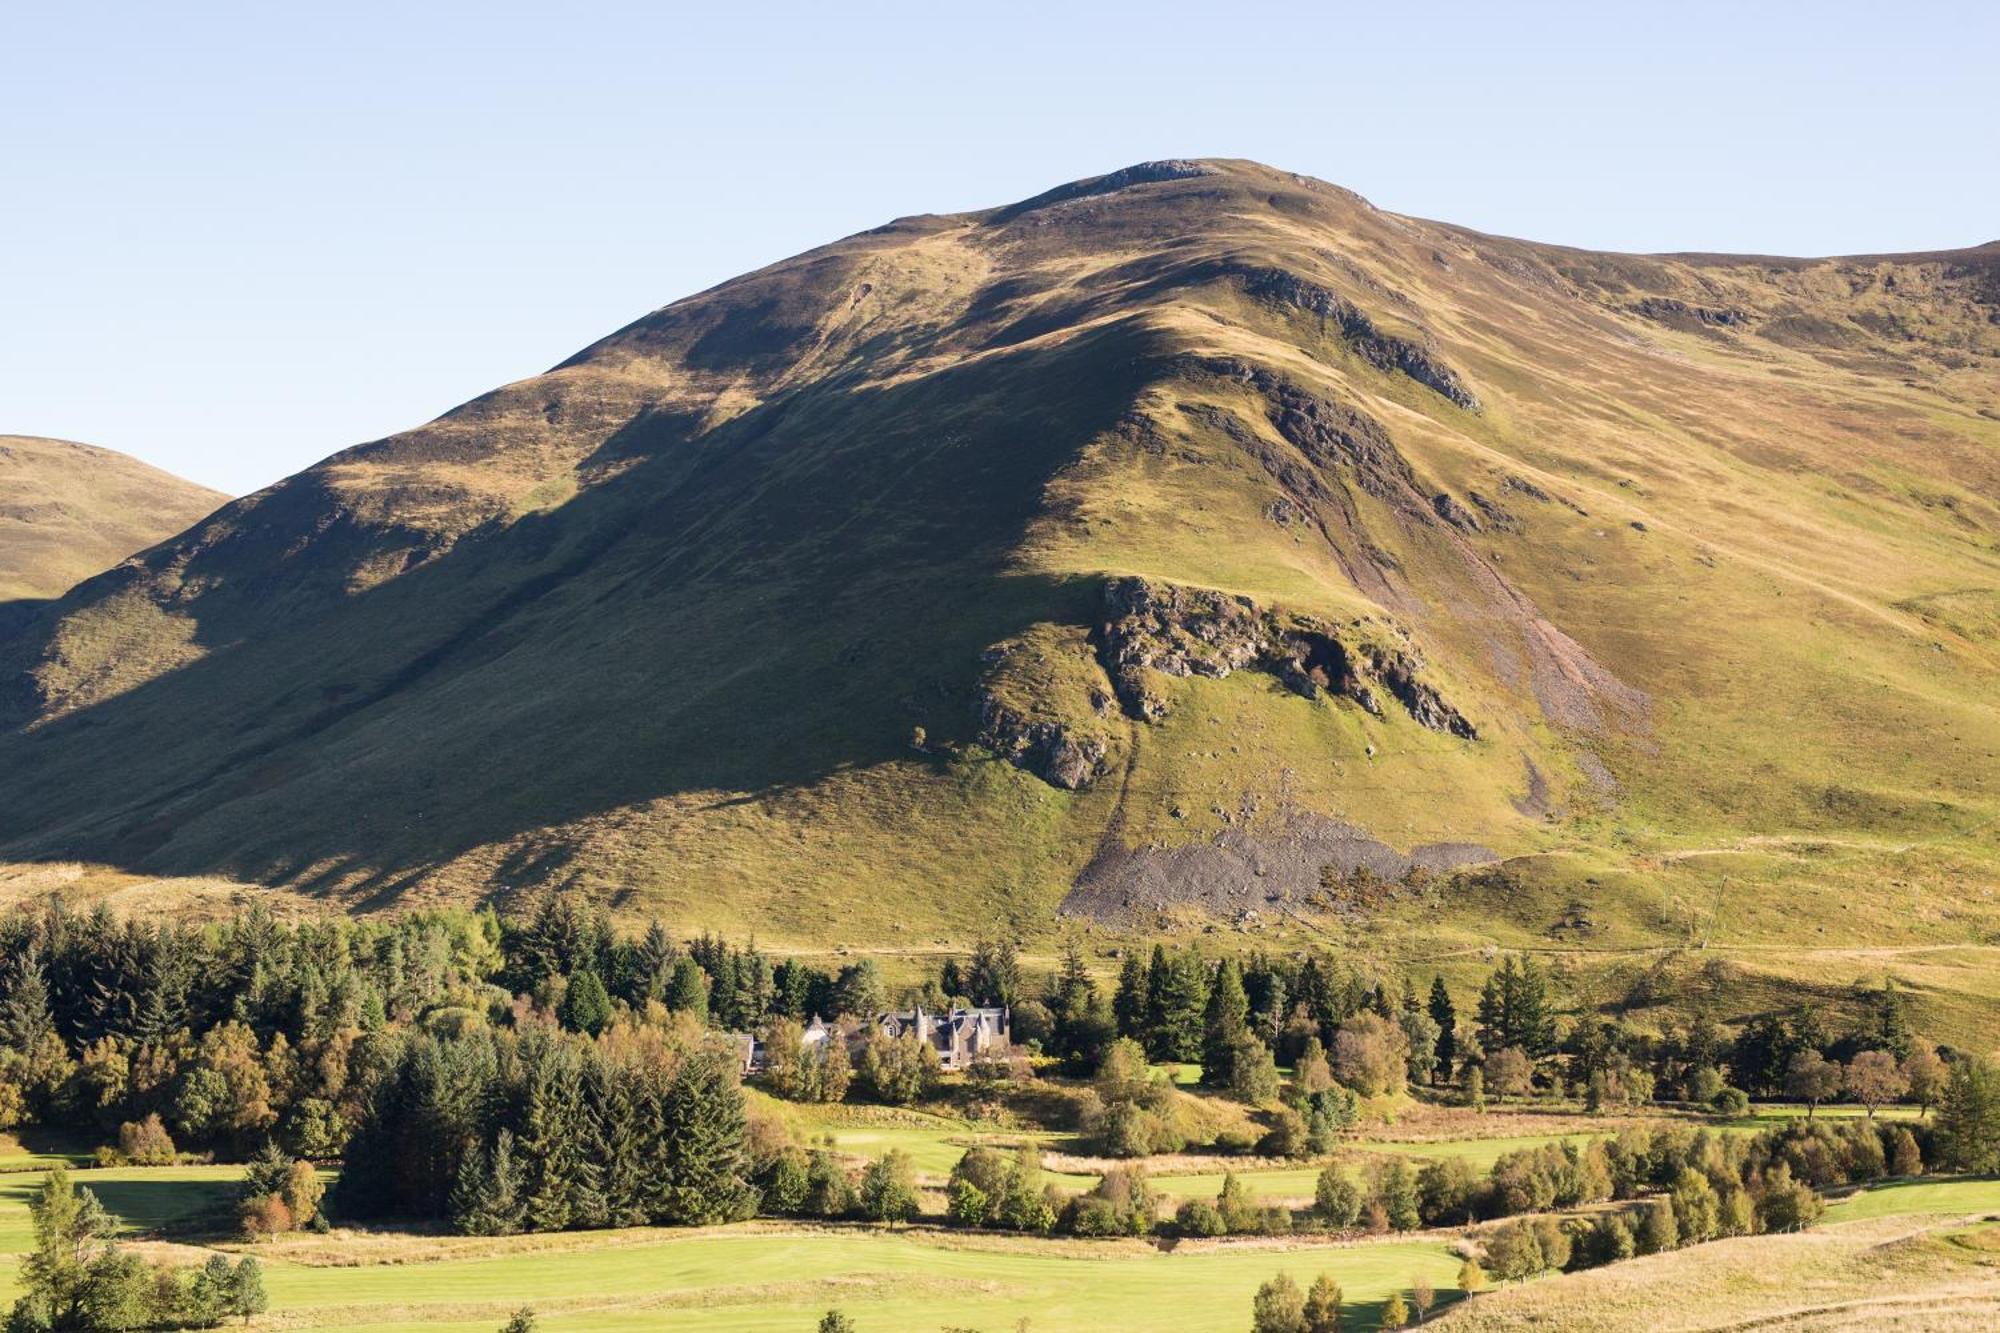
(746, 611)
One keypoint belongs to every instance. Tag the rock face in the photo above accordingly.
(1381, 350)
(1170, 630)
(1682, 315)
(1043, 706)
(1050, 749)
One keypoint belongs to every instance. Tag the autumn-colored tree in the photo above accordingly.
(1873, 1078)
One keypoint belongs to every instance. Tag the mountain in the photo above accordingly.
(1194, 542)
(69, 510)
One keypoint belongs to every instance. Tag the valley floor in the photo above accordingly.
(1905, 1255)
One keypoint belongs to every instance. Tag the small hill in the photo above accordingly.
(68, 511)
(1196, 542)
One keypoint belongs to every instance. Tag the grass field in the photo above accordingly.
(769, 1277)
(753, 1277)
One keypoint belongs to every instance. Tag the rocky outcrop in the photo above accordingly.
(1049, 701)
(1051, 750)
(1398, 670)
(1164, 629)
(1681, 315)
(1044, 705)
(1384, 351)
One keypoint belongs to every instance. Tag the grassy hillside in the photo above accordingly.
(69, 510)
(1145, 550)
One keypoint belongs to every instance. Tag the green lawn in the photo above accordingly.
(1919, 1196)
(771, 1279)
(761, 1281)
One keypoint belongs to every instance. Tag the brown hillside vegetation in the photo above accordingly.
(1176, 541)
(68, 511)
(1909, 1275)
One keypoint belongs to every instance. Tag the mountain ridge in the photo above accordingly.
(808, 582)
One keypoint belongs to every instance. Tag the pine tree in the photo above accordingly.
(653, 963)
(687, 991)
(1535, 1019)
(1446, 1018)
(24, 1012)
(701, 1125)
(1493, 1028)
(1184, 1003)
(586, 1005)
(1323, 1305)
(995, 975)
(551, 1141)
(246, 1290)
(1128, 1005)
(1225, 1023)
(622, 1168)
(1968, 1116)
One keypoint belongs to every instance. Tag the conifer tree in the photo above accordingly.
(550, 1142)
(1446, 1017)
(1183, 1006)
(1128, 1004)
(1322, 1310)
(687, 991)
(624, 1178)
(702, 1121)
(1225, 1023)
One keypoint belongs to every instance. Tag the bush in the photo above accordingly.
(1198, 1217)
(265, 1215)
(1121, 1204)
(1337, 1199)
(1279, 1307)
(1509, 1073)
(889, 1188)
(1288, 1136)
(146, 1142)
(1732, 1102)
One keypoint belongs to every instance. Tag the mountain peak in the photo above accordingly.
(1159, 544)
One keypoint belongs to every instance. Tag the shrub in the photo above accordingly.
(1288, 1136)
(889, 1188)
(265, 1215)
(1337, 1199)
(1731, 1102)
(146, 1142)
(1509, 1073)
(1279, 1307)
(1121, 1204)
(1198, 1217)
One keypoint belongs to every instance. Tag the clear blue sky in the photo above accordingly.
(235, 237)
